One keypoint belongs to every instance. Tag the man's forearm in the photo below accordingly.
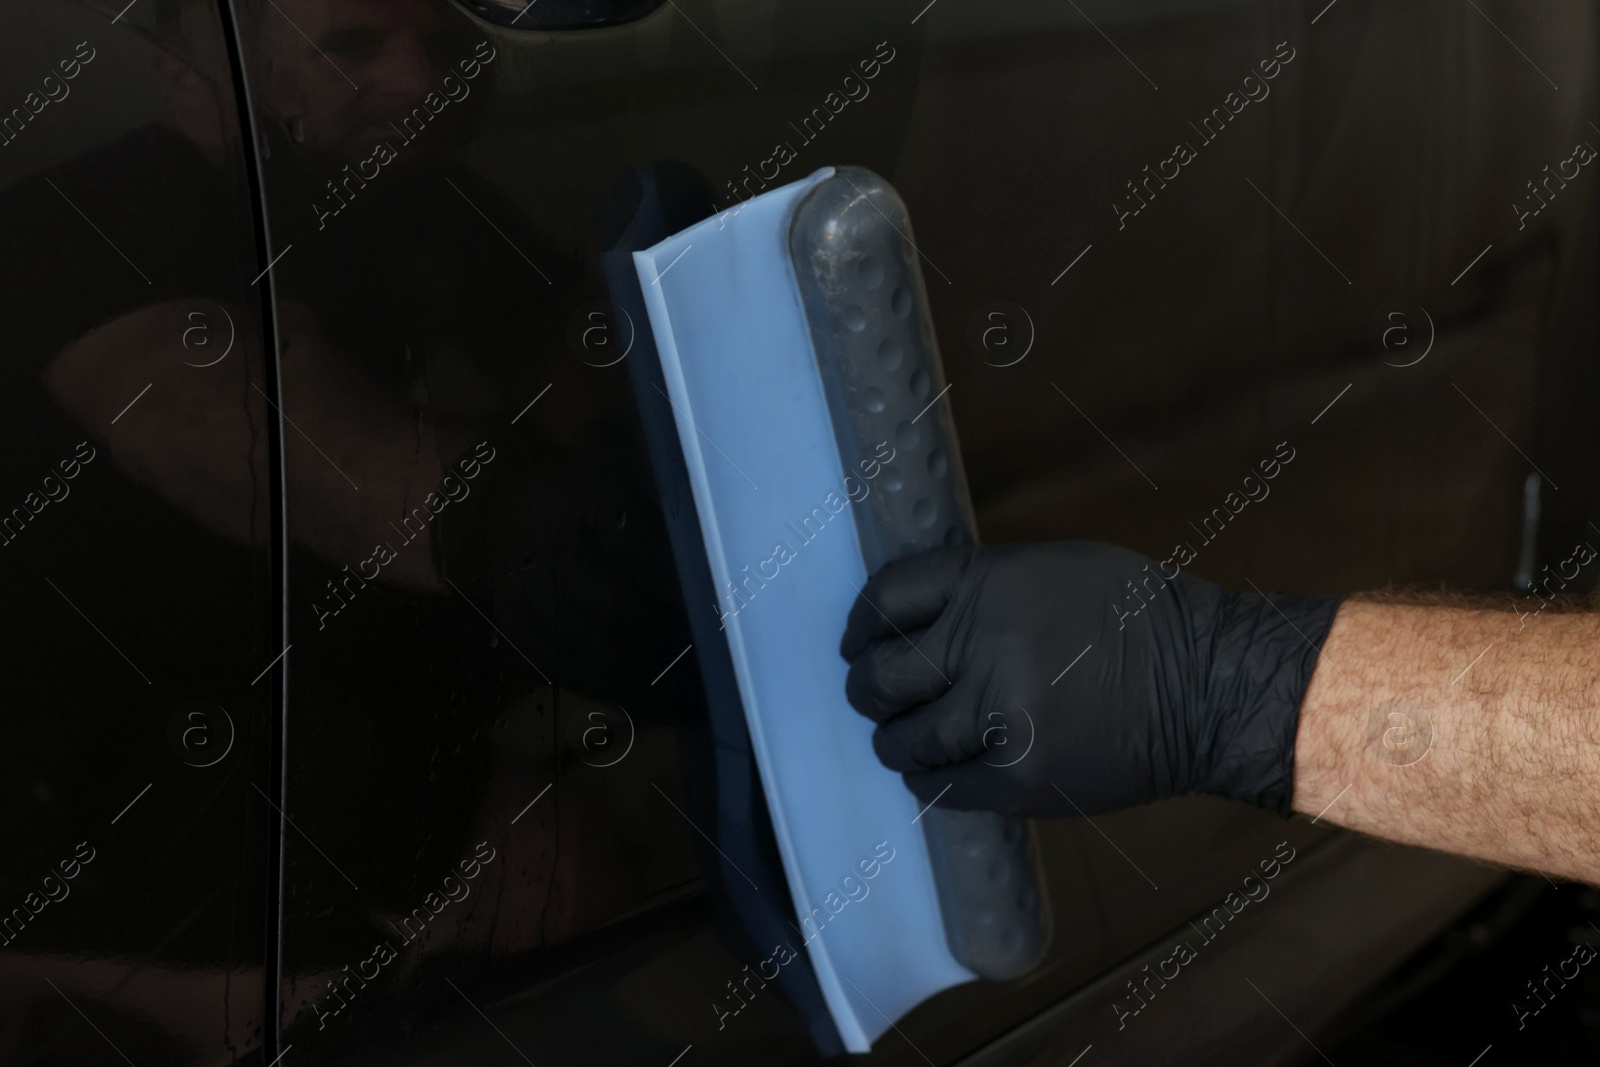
(1470, 731)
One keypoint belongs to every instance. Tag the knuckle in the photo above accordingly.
(890, 749)
(926, 751)
(955, 737)
(857, 685)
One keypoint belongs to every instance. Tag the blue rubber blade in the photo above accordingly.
(769, 485)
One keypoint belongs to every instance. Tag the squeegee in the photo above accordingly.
(815, 436)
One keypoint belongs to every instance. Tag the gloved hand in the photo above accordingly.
(1123, 686)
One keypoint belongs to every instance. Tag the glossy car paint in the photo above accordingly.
(139, 569)
(404, 535)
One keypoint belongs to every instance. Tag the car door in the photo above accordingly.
(510, 823)
(137, 545)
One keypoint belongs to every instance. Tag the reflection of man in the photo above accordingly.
(404, 342)
(189, 451)
(335, 76)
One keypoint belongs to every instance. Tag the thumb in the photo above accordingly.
(969, 786)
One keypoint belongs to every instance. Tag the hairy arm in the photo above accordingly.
(1467, 730)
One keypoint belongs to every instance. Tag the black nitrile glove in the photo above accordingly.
(1175, 686)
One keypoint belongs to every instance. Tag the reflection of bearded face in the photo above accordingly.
(336, 73)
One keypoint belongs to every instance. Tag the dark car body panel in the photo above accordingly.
(401, 547)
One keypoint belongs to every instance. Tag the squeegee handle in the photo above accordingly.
(860, 283)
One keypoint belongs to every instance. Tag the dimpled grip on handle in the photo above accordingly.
(861, 287)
